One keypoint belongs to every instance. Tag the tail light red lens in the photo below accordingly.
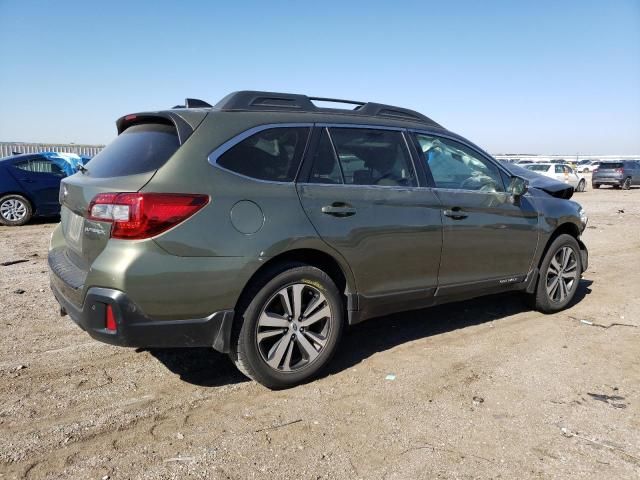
(619, 170)
(142, 215)
(110, 320)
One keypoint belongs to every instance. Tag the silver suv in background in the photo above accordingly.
(622, 174)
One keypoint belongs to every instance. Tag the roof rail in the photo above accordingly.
(272, 101)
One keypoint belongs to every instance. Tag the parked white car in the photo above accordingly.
(588, 167)
(561, 172)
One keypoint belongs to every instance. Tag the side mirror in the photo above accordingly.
(518, 187)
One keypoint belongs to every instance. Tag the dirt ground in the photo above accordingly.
(482, 389)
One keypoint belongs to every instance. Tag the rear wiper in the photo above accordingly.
(82, 168)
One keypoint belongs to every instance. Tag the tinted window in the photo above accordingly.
(324, 166)
(559, 169)
(537, 168)
(41, 165)
(456, 166)
(272, 154)
(373, 157)
(610, 166)
(140, 148)
(23, 166)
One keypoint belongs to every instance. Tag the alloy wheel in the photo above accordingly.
(562, 274)
(293, 327)
(13, 210)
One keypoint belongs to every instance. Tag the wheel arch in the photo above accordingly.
(567, 228)
(308, 256)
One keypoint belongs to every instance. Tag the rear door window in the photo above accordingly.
(373, 157)
(139, 149)
(273, 154)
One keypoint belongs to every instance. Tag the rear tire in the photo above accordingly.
(626, 185)
(581, 185)
(595, 185)
(559, 276)
(15, 210)
(290, 327)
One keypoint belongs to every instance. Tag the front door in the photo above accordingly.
(488, 240)
(361, 193)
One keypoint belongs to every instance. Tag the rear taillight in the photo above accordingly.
(110, 320)
(142, 215)
(619, 170)
(595, 170)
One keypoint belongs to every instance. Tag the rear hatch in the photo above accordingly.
(144, 144)
(609, 170)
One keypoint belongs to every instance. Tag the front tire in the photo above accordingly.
(581, 185)
(560, 274)
(290, 328)
(626, 185)
(15, 210)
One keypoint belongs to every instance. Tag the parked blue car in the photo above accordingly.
(29, 185)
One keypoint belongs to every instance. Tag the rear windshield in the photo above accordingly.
(610, 166)
(139, 149)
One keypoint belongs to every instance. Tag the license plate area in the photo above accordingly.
(72, 226)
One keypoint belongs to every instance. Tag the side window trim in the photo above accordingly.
(480, 153)
(232, 142)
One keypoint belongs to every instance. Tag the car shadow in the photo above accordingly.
(44, 220)
(208, 368)
(383, 333)
(204, 367)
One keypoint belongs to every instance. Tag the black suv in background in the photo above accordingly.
(263, 226)
(621, 174)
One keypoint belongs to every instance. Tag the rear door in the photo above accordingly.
(360, 190)
(40, 177)
(488, 239)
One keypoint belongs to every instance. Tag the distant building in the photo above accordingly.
(10, 148)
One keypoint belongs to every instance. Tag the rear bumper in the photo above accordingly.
(135, 329)
(607, 181)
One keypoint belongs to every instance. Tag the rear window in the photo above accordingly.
(610, 166)
(139, 149)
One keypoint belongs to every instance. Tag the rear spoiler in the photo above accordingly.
(185, 121)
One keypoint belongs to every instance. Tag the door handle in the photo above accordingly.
(339, 210)
(455, 213)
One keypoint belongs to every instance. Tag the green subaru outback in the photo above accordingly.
(264, 225)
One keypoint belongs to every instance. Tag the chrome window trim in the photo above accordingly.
(213, 157)
(232, 142)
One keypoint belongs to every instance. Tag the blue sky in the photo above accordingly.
(537, 76)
